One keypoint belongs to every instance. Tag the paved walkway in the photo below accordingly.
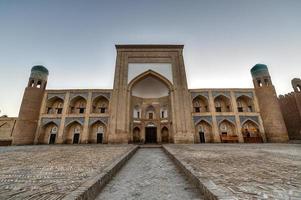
(150, 175)
(248, 171)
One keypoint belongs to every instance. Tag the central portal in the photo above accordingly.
(150, 135)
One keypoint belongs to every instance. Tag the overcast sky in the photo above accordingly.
(75, 40)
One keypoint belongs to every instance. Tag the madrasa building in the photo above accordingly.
(150, 103)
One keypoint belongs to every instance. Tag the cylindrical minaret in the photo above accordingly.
(27, 121)
(270, 112)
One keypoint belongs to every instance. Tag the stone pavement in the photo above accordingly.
(51, 171)
(248, 171)
(149, 174)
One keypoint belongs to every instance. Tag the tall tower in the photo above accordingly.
(272, 118)
(27, 122)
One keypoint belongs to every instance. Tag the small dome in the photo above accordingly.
(40, 68)
(259, 70)
(259, 67)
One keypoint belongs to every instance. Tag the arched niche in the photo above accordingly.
(150, 113)
(227, 131)
(200, 104)
(245, 104)
(100, 105)
(54, 105)
(150, 85)
(204, 132)
(97, 133)
(77, 105)
(136, 135)
(222, 104)
(164, 135)
(251, 132)
(73, 133)
(48, 134)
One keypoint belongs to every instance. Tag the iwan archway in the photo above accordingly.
(150, 104)
(150, 86)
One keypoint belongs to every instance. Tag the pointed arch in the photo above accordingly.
(204, 132)
(245, 103)
(227, 131)
(228, 126)
(77, 105)
(100, 104)
(73, 121)
(251, 132)
(164, 135)
(200, 104)
(73, 132)
(97, 132)
(251, 120)
(48, 131)
(222, 103)
(152, 74)
(136, 135)
(54, 105)
(150, 112)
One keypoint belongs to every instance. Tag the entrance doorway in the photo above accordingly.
(202, 137)
(76, 138)
(150, 135)
(52, 138)
(99, 138)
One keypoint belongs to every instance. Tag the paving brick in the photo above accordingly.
(248, 171)
(52, 172)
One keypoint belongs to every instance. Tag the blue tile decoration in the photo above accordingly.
(230, 118)
(45, 121)
(92, 120)
(69, 120)
(243, 119)
(197, 119)
(217, 93)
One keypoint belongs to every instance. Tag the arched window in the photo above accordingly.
(259, 83)
(31, 83)
(39, 84)
(137, 112)
(163, 112)
(266, 82)
(150, 112)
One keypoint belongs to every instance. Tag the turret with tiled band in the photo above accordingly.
(272, 118)
(27, 122)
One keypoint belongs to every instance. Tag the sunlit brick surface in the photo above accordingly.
(51, 172)
(249, 171)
